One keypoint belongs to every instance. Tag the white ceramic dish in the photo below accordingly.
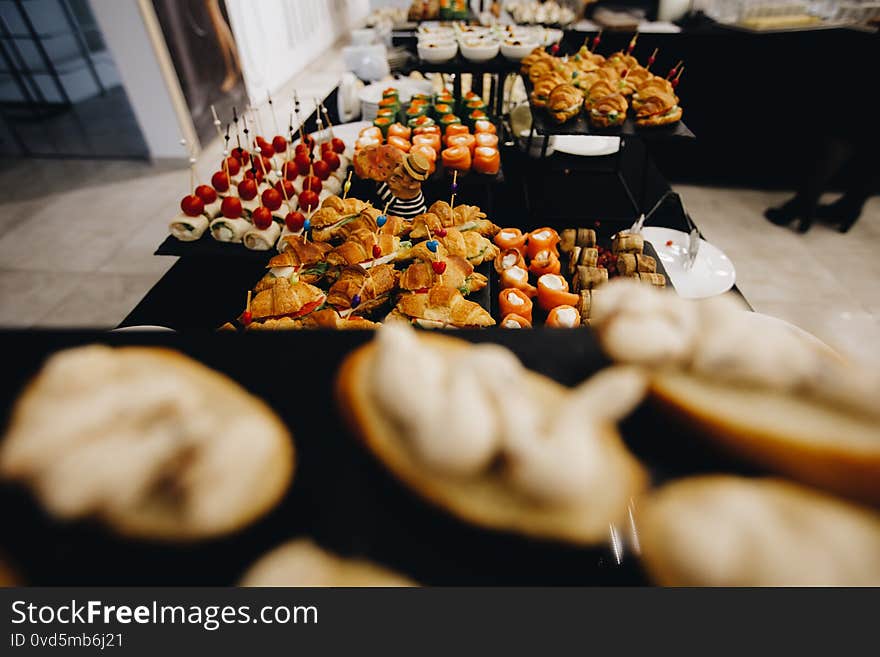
(482, 51)
(436, 31)
(437, 52)
(143, 327)
(552, 36)
(587, 146)
(515, 52)
(712, 273)
(474, 30)
(760, 319)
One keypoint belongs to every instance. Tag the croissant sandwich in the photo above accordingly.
(564, 102)
(285, 299)
(658, 109)
(459, 274)
(373, 286)
(441, 307)
(609, 111)
(543, 87)
(598, 91)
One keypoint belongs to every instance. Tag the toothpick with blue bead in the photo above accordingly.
(381, 220)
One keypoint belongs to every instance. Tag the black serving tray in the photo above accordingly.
(340, 496)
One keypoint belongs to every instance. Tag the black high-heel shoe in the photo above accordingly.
(841, 214)
(785, 214)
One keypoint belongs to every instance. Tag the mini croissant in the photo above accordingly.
(444, 306)
(564, 103)
(286, 300)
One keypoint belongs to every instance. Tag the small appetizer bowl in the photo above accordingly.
(474, 30)
(479, 50)
(436, 31)
(516, 49)
(436, 52)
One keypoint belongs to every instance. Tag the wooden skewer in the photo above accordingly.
(327, 117)
(346, 186)
(652, 59)
(677, 77)
(632, 44)
(217, 123)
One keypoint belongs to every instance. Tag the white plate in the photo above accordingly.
(713, 273)
(587, 146)
(143, 327)
(760, 319)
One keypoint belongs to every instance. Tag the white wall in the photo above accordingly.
(134, 38)
(278, 38)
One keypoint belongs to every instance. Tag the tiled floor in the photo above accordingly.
(77, 237)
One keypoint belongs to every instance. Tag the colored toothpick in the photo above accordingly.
(347, 186)
(632, 44)
(454, 189)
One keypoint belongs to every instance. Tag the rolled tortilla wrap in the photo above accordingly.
(332, 185)
(257, 239)
(212, 210)
(229, 230)
(188, 229)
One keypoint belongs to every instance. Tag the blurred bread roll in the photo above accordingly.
(303, 563)
(735, 531)
(152, 443)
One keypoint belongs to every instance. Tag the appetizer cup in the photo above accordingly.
(437, 52)
(515, 49)
(479, 50)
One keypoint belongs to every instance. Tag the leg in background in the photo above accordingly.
(831, 155)
(862, 183)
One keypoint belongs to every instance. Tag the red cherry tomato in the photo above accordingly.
(338, 145)
(279, 144)
(332, 160)
(267, 151)
(261, 141)
(250, 175)
(264, 164)
(321, 169)
(288, 192)
(192, 205)
(313, 183)
(233, 164)
(290, 171)
(303, 163)
(308, 199)
(231, 207)
(206, 193)
(272, 199)
(262, 217)
(241, 155)
(220, 181)
(294, 221)
(247, 189)
(301, 148)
